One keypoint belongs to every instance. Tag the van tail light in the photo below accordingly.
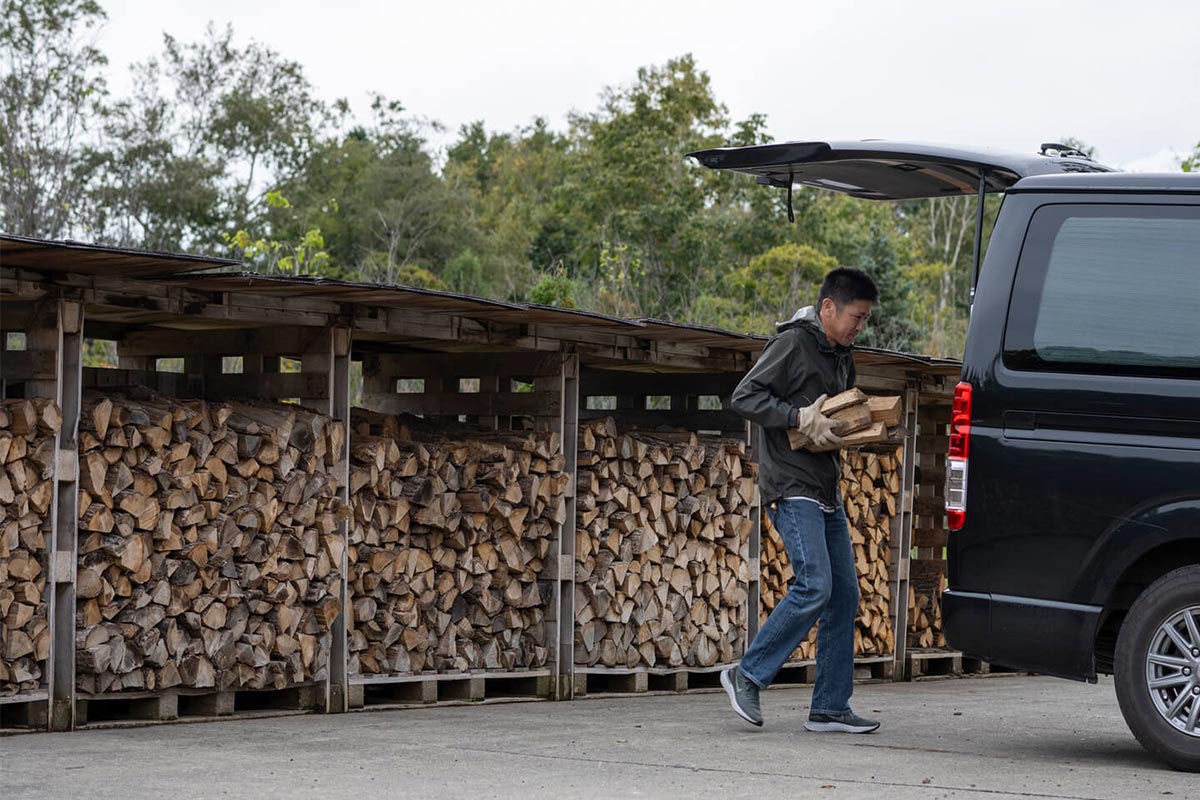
(956, 461)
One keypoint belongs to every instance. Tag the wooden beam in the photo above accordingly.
(24, 365)
(172, 384)
(285, 340)
(595, 382)
(317, 361)
(462, 365)
(754, 590)
(454, 404)
(270, 386)
(339, 679)
(565, 583)
(64, 544)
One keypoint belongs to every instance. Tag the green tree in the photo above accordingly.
(305, 255)
(1192, 163)
(637, 202)
(377, 196)
(767, 290)
(554, 289)
(891, 326)
(52, 94)
(210, 127)
(511, 181)
(465, 274)
(146, 190)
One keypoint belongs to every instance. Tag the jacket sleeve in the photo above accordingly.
(758, 397)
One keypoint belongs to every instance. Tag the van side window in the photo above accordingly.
(1108, 289)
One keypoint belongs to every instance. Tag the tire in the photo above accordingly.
(1143, 633)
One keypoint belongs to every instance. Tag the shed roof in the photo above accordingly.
(44, 255)
(186, 271)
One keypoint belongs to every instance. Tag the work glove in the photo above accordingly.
(818, 428)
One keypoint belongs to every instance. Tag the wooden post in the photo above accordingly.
(564, 590)
(63, 331)
(902, 562)
(320, 360)
(755, 571)
(339, 678)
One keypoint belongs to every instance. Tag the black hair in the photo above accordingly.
(846, 285)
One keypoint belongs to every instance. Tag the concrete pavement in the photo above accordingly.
(996, 738)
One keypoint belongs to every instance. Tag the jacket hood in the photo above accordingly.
(807, 315)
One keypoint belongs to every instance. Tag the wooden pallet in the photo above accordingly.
(944, 663)
(23, 713)
(180, 704)
(600, 681)
(397, 691)
(866, 670)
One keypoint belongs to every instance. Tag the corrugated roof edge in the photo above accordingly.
(322, 281)
(71, 244)
(483, 303)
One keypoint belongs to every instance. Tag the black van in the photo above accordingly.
(1073, 480)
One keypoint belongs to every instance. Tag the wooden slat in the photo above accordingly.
(270, 386)
(611, 382)
(450, 403)
(285, 340)
(930, 537)
(21, 365)
(462, 365)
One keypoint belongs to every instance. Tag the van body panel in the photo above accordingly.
(1024, 633)
(1076, 471)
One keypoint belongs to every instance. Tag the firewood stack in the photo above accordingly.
(870, 487)
(925, 604)
(450, 534)
(662, 548)
(861, 419)
(28, 448)
(209, 554)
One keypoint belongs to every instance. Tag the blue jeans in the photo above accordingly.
(825, 589)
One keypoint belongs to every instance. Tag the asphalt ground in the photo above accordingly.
(990, 738)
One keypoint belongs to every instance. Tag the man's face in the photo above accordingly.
(843, 324)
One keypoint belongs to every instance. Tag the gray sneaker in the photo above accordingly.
(743, 695)
(847, 722)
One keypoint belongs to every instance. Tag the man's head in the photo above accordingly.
(846, 299)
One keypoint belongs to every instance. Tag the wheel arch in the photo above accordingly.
(1129, 586)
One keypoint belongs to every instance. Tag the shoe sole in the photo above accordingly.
(727, 683)
(838, 727)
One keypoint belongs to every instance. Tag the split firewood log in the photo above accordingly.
(209, 544)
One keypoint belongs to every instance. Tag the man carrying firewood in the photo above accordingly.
(807, 360)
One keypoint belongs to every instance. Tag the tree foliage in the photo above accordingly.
(52, 94)
(223, 146)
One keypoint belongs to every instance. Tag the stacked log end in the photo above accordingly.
(662, 548)
(451, 532)
(209, 550)
(870, 487)
(28, 449)
(927, 579)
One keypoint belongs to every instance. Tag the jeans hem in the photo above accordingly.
(751, 679)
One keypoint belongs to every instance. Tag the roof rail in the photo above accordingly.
(1063, 151)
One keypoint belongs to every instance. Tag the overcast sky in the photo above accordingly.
(1123, 76)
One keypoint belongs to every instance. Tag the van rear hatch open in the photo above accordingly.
(875, 169)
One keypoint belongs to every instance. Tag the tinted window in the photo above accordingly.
(1108, 288)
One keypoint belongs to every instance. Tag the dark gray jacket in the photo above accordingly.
(797, 366)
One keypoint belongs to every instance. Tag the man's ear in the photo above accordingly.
(827, 305)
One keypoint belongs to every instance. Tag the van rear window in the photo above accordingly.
(1108, 288)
